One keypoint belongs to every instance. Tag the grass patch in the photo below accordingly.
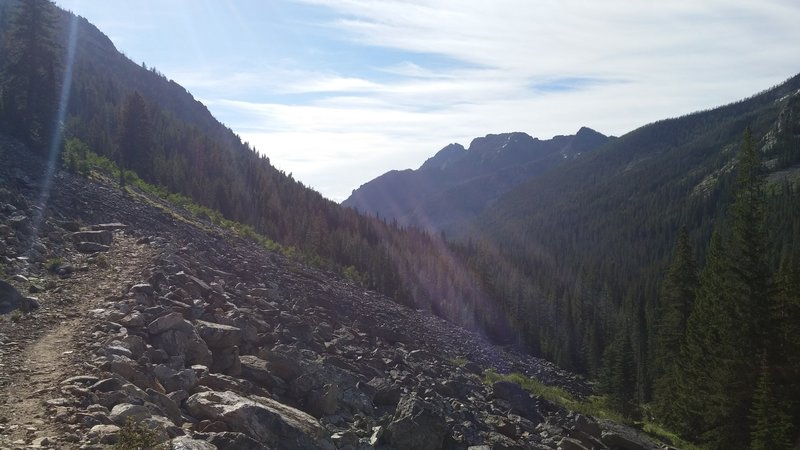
(459, 361)
(53, 264)
(664, 435)
(596, 406)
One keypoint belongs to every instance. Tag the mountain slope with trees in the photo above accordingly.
(153, 127)
(454, 186)
(592, 245)
(584, 265)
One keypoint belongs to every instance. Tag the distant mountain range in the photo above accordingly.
(457, 184)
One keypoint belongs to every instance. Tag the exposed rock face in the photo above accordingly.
(217, 343)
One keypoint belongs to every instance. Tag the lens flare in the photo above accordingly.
(55, 141)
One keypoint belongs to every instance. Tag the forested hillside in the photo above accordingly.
(454, 186)
(585, 265)
(605, 283)
(151, 125)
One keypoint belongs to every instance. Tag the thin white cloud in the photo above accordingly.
(464, 68)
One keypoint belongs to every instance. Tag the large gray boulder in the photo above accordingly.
(518, 398)
(11, 299)
(417, 424)
(258, 371)
(217, 335)
(617, 440)
(180, 342)
(91, 247)
(235, 441)
(267, 421)
(187, 443)
(103, 237)
(171, 321)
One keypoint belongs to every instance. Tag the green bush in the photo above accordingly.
(53, 264)
(136, 436)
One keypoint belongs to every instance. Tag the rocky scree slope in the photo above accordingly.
(144, 314)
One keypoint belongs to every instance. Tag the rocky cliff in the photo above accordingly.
(126, 316)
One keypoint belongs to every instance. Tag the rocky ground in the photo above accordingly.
(123, 313)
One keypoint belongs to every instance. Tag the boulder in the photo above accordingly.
(226, 360)
(282, 365)
(104, 434)
(107, 385)
(98, 237)
(171, 409)
(220, 382)
(187, 443)
(184, 343)
(417, 424)
(257, 370)
(217, 335)
(323, 402)
(235, 441)
(518, 398)
(11, 299)
(126, 411)
(618, 441)
(171, 321)
(586, 426)
(571, 444)
(386, 392)
(91, 247)
(109, 226)
(267, 421)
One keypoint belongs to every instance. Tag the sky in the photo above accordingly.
(338, 92)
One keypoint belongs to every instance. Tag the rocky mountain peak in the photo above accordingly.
(444, 157)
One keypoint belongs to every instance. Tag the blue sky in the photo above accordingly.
(338, 92)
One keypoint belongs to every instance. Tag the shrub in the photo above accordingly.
(136, 436)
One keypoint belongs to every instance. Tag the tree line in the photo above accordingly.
(701, 337)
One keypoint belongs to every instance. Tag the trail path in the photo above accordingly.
(40, 350)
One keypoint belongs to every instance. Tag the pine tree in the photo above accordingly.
(701, 400)
(730, 322)
(771, 426)
(29, 90)
(676, 302)
(618, 379)
(784, 357)
(134, 139)
(748, 253)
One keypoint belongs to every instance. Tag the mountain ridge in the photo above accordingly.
(459, 182)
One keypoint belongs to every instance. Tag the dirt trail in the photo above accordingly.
(40, 350)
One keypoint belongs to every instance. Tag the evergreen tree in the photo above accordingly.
(29, 90)
(134, 139)
(618, 379)
(677, 299)
(749, 284)
(702, 402)
(771, 426)
(730, 322)
(784, 358)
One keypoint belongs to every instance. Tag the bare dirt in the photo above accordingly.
(38, 350)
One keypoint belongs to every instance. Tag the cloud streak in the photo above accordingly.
(341, 91)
